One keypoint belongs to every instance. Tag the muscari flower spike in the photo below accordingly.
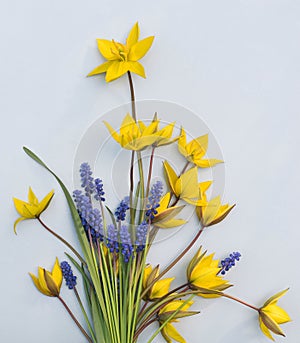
(112, 241)
(141, 236)
(154, 199)
(99, 192)
(121, 210)
(126, 245)
(229, 262)
(68, 275)
(87, 180)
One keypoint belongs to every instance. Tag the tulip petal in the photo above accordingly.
(164, 203)
(161, 288)
(171, 332)
(170, 223)
(265, 330)
(206, 163)
(57, 273)
(102, 68)
(137, 68)
(133, 36)
(275, 297)
(37, 284)
(17, 222)
(277, 313)
(45, 202)
(140, 49)
(42, 282)
(187, 185)
(271, 324)
(112, 132)
(20, 205)
(116, 70)
(32, 199)
(106, 48)
(171, 176)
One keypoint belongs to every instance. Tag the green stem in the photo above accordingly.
(131, 188)
(75, 320)
(84, 314)
(62, 240)
(240, 301)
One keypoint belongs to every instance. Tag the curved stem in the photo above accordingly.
(240, 301)
(177, 259)
(75, 320)
(142, 328)
(62, 240)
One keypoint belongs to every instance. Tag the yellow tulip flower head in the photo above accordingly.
(138, 136)
(213, 212)
(164, 218)
(48, 283)
(202, 275)
(160, 288)
(185, 186)
(168, 331)
(123, 58)
(195, 150)
(33, 208)
(271, 315)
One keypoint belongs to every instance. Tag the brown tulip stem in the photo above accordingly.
(180, 256)
(75, 320)
(177, 259)
(132, 96)
(131, 187)
(150, 172)
(142, 328)
(240, 301)
(62, 240)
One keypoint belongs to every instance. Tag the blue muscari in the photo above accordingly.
(141, 236)
(126, 245)
(229, 262)
(112, 240)
(90, 217)
(99, 193)
(154, 199)
(87, 180)
(68, 274)
(120, 212)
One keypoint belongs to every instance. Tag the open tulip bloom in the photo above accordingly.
(123, 293)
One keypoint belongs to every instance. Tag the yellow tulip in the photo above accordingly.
(165, 215)
(122, 58)
(33, 208)
(202, 275)
(49, 283)
(168, 331)
(271, 315)
(213, 212)
(160, 288)
(195, 150)
(185, 187)
(138, 136)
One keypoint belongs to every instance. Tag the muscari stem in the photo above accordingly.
(240, 301)
(62, 240)
(75, 320)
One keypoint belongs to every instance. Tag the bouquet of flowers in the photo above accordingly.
(123, 293)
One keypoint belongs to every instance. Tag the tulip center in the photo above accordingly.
(120, 51)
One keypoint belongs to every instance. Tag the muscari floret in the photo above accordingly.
(154, 199)
(229, 262)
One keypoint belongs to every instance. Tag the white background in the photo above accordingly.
(234, 63)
